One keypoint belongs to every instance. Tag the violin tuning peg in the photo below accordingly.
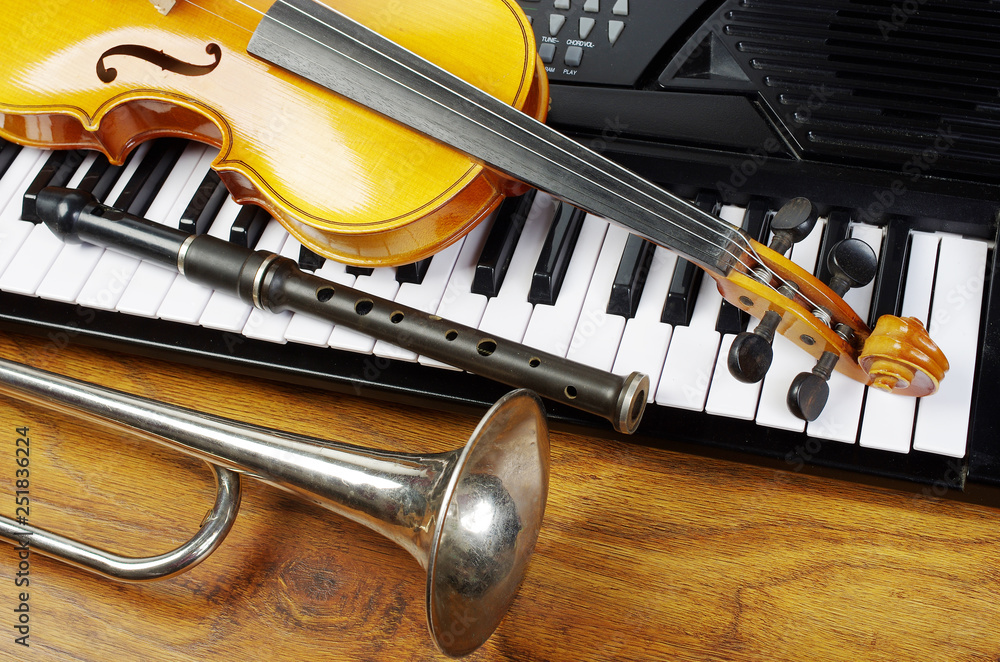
(792, 223)
(852, 263)
(751, 353)
(809, 391)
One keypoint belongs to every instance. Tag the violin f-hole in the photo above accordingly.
(160, 59)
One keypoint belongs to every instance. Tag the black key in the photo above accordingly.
(687, 277)
(631, 276)
(838, 228)
(59, 168)
(731, 319)
(547, 279)
(249, 226)
(310, 261)
(8, 152)
(413, 272)
(101, 177)
(360, 271)
(205, 205)
(499, 247)
(890, 283)
(147, 179)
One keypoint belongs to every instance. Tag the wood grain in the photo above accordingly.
(644, 554)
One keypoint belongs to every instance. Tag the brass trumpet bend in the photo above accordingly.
(470, 516)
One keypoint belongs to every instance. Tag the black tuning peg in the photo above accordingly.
(810, 390)
(792, 223)
(751, 353)
(852, 263)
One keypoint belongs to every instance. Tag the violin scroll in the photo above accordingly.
(900, 357)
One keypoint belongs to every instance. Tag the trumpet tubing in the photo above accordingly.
(470, 517)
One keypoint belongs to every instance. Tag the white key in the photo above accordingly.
(841, 417)
(789, 360)
(943, 418)
(459, 303)
(550, 328)
(646, 339)
(729, 396)
(508, 313)
(227, 312)
(888, 419)
(185, 301)
(13, 231)
(107, 281)
(687, 371)
(425, 296)
(597, 335)
(382, 283)
(149, 285)
(34, 258)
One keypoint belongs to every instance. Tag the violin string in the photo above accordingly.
(748, 248)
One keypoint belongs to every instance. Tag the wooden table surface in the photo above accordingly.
(644, 554)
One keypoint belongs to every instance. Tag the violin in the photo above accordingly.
(378, 133)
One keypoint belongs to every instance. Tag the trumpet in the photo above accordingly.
(470, 516)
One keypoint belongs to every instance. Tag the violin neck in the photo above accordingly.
(331, 50)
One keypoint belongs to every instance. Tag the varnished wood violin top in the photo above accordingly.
(345, 182)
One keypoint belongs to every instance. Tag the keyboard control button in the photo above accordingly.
(562, 4)
(547, 52)
(592, 6)
(574, 56)
(586, 26)
(620, 8)
(556, 21)
(615, 29)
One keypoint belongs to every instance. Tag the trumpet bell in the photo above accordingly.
(489, 520)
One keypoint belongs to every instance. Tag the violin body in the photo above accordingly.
(345, 182)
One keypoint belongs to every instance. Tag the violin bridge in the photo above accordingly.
(163, 6)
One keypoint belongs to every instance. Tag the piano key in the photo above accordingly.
(889, 292)
(554, 260)
(141, 190)
(144, 186)
(626, 290)
(551, 327)
(185, 301)
(507, 314)
(888, 419)
(838, 227)
(687, 371)
(41, 247)
(14, 182)
(8, 152)
(686, 280)
(85, 167)
(841, 417)
(425, 296)
(943, 419)
(308, 260)
(727, 395)
(755, 222)
(249, 226)
(381, 283)
(789, 360)
(57, 171)
(646, 339)
(359, 271)
(149, 285)
(498, 250)
(413, 273)
(204, 205)
(597, 335)
(459, 303)
(101, 176)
